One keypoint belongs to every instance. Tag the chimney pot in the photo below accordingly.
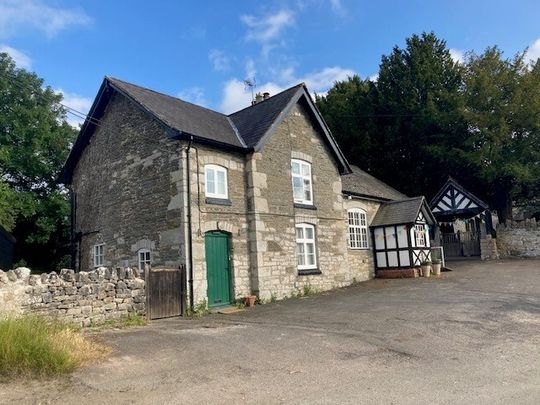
(266, 95)
(258, 98)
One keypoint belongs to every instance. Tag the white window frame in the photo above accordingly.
(143, 261)
(358, 229)
(99, 255)
(215, 169)
(420, 235)
(304, 242)
(303, 178)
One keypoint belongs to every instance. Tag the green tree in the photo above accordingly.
(503, 113)
(34, 141)
(407, 128)
(349, 107)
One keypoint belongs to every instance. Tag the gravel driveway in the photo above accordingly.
(472, 336)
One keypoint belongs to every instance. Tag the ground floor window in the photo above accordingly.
(99, 255)
(420, 235)
(358, 230)
(144, 258)
(306, 257)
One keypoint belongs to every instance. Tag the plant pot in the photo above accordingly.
(436, 267)
(249, 301)
(426, 270)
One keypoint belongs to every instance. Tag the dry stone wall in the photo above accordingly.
(519, 239)
(82, 298)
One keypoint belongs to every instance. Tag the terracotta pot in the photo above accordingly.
(426, 270)
(249, 301)
(436, 269)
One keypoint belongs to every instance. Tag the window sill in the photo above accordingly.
(309, 272)
(359, 249)
(305, 206)
(218, 201)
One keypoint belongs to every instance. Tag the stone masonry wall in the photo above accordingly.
(273, 214)
(362, 261)
(82, 298)
(128, 186)
(519, 239)
(209, 216)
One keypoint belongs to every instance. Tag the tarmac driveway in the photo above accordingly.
(472, 336)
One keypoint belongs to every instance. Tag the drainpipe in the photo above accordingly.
(73, 206)
(190, 236)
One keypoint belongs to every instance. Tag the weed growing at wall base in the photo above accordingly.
(38, 346)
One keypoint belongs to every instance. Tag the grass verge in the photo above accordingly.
(40, 347)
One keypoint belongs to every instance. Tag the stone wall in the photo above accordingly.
(128, 186)
(273, 214)
(361, 261)
(82, 298)
(519, 239)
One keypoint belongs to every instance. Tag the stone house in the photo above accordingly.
(261, 201)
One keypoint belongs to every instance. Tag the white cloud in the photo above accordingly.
(533, 52)
(457, 55)
(236, 96)
(78, 103)
(19, 15)
(374, 77)
(194, 95)
(322, 80)
(268, 28)
(21, 59)
(219, 60)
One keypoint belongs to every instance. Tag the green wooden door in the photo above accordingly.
(218, 269)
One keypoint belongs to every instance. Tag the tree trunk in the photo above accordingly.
(503, 201)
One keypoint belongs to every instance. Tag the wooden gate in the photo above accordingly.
(165, 292)
(461, 244)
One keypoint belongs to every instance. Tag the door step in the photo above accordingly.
(227, 310)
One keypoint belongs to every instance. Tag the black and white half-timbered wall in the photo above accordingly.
(401, 234)
(463, 218)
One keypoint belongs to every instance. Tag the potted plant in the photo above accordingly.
(426, 268)
(249, 300)
(436, 267)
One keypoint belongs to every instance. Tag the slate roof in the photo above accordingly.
(253, 122)
(401, 212)
(244, 130)
(181, 115)
(362, 183)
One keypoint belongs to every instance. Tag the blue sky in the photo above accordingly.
(202, 51)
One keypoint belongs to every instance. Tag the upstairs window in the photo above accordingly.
(358, 230)
(306, 256)
(420, 235)
(145, 258)
(99, 255)
(216, 182)
(301, 182)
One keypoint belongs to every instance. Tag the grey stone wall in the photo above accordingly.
(208, 216)
(361, 261)
(128, 187)
(273, 215)
(83, 298)
(519, 239)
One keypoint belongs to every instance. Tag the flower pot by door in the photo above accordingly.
(436, 269)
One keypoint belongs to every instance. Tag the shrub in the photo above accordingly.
(37, 346)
